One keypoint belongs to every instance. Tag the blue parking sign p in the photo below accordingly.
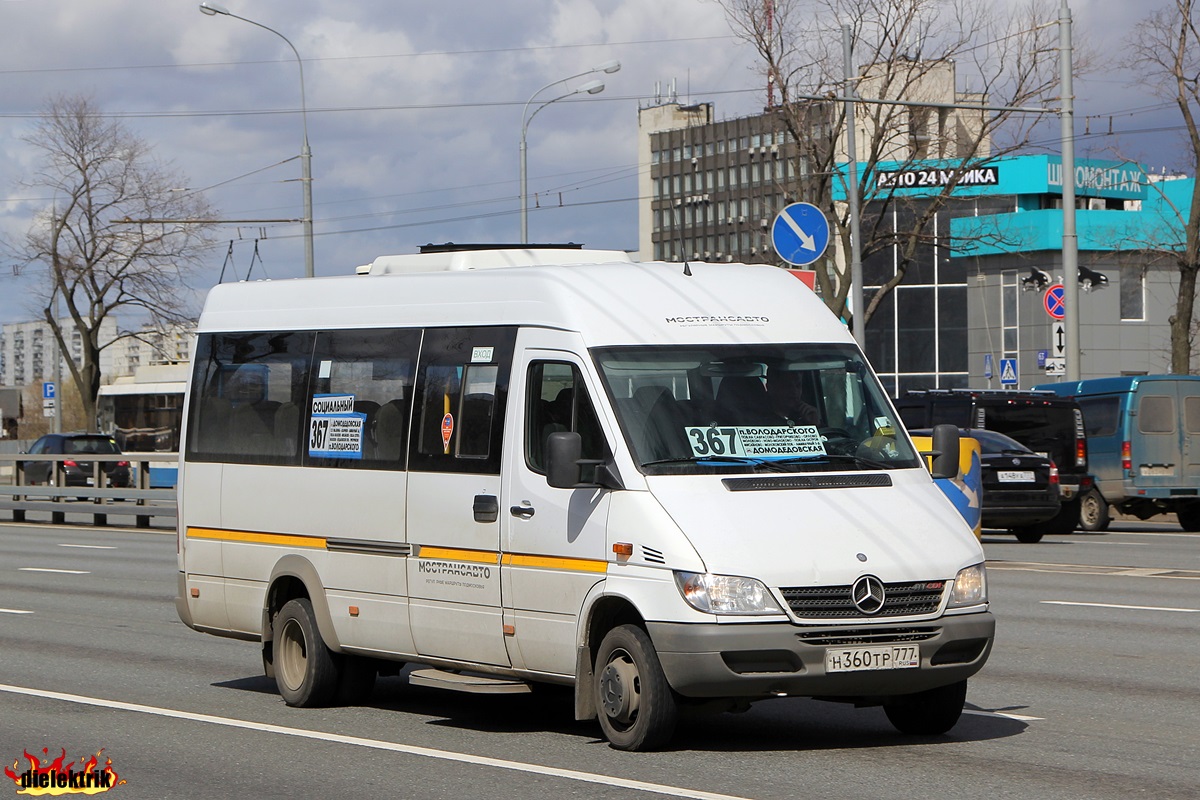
(48, 390)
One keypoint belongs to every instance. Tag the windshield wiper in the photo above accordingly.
(858, 460)
(701, 459)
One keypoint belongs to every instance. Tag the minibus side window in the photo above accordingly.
(1100, 415)
(462, 389)
(361, 398)
(557, 401)
(247, 393)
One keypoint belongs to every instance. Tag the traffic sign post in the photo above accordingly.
(1054, 301)
(49, 399)
(987, 366)
(1058, 340)
(800, 234)
(1008, 372)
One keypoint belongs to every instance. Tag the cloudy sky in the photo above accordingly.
(415, 110)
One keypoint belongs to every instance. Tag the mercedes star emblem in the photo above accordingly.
(867, 594)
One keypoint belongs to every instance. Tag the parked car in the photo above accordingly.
(1020, 487)
(75, 471)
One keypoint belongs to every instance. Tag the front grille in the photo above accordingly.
(842, 637)
(833, 602)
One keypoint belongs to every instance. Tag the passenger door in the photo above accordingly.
(555, 544)
(1189, 398)
(454, 487)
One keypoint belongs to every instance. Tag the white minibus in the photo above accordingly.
(664, 485)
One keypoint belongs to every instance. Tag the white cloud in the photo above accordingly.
(415, 109)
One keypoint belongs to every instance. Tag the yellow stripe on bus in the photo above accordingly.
(452, 554)
(556, 562)
(286, 540)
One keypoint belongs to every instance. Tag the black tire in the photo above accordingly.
(1028, 535)
(1064, 522)
(1189, 516)
(635, 703)
(1093, 512)
(928, 713)
(306, 672)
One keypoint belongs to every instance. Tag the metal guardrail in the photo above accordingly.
(99, 500)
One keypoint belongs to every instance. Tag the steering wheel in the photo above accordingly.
(837, 440)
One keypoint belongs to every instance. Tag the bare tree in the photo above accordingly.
(1165, 52)
(97, 262)
(907, 51)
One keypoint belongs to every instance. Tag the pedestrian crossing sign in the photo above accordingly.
(1008, 372)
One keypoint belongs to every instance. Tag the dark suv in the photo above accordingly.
(75, 471)
(1043, 422)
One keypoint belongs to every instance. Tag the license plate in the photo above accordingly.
(90, 481)
(1015, 476)
(1157, 470)
(857, 659)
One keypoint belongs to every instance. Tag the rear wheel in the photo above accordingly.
(1028, 535)
(1189, 516)
(927, 713)
(305, 670)
(1093, 511)
(1065, 521)
(636, 705)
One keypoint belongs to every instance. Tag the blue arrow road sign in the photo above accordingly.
(800, 234)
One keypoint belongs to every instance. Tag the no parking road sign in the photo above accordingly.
(1055, 301)
(800, 234)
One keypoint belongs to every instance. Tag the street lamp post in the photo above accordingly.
(591, 87)
(213, 9)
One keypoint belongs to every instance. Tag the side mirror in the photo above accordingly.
(945, 445)
(567, 469)
(563, 451)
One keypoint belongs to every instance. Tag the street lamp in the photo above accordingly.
(591, 87)
(212, 9)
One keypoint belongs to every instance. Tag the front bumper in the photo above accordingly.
(762, 660)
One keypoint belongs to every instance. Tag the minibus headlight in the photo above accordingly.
(970, 587)
(725, 594)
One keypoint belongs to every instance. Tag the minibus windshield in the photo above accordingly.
(691, 409)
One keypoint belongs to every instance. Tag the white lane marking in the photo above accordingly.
(13, 611)
(1096, 569)
(376, 744)
(90, 546)
(58, 571)
(1114, 605)
(1005, 714)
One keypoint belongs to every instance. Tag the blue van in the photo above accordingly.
(1141, 443)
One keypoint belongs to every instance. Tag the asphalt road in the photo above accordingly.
(1091, 692)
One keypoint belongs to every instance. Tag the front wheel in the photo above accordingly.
(927, 713)
(305, 670)
(1093, 512)
(636, 705)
